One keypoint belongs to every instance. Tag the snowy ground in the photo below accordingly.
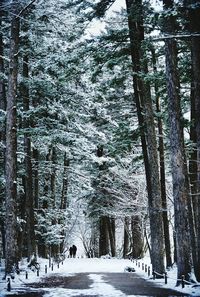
(91, 266)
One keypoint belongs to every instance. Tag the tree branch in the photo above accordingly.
(25, 8)
(178, 36)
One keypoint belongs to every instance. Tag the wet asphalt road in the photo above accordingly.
(132, 284)
(127, 283)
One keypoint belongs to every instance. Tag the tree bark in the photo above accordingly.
(11, 151)
(94, 239)
(2, 136)
(53, 176)
(64, 201)
(103, 219)
(47, 182)
(193, 155)
(162, 168)
(111, 231)
(137, 237)
(104, 236)
(29, 202)
(3, 109)
(126, 238)
(178, 158)
(35, 173)
(193, 9)
(143, 101)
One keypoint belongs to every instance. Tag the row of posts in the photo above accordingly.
(145, 267)
(45, 269)
(147, 270)
(51, 266)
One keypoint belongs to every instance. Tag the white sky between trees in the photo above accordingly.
(97, 26)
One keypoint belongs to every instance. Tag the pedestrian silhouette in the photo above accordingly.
(74, 249)
(70, 251)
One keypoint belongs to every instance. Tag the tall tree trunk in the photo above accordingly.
(47, 182)
(162, 168)
(193, 155)
(143, 101)
(64, 201)
(36, 161)
(104, 236)
(43, 249)
(178, 158)
(55, 248)
(30, 229)
(53, 177)
(94, 239)
(2, 137)
(194, 24)
(11, 150)
(111, 231)
(103, 219)
(126, 238)
(3, 110)
(35, 173)
(137, 237)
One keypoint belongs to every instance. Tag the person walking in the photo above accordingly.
(70, 251)
(74, 250)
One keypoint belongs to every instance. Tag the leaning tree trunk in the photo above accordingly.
(178, 158)
(143, 101)
(11, 151)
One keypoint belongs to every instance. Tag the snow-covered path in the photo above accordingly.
(98, 288)
(90, 277)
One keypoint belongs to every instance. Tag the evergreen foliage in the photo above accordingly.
(80, 159)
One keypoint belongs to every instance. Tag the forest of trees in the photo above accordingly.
(100, 135)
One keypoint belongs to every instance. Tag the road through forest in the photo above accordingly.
(95, 285)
